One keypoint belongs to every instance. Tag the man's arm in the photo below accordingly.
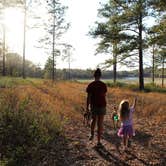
(88, 102)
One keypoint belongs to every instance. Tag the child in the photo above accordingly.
(115, 118)
(126, 130)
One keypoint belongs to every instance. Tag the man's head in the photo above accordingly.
(97, 73)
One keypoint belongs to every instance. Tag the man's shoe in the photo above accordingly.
(129, 144)
(91, 137)
(99, 144)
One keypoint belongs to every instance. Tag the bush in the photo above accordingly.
(27, 136)
(123, 85)
(117, 84)
(154, 88)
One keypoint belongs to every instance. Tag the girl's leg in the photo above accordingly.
(100, 127)
(93, 124)
(113, 123)
(125, 139)
(123, 142)
(129, 141)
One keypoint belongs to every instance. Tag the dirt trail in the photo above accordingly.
(148, 147)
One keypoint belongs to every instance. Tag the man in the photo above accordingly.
(96, 103)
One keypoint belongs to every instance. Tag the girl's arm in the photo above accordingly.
(134, 103)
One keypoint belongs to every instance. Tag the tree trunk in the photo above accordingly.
(69, 65)
(24, 41)
(53, 46)
(114, 63)
(163, 72)
(141, 74)
(153, 65)
(4, 47)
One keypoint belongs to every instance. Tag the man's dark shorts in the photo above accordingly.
(98, 111)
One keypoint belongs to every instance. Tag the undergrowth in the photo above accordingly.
(28, 136)
(150, 87)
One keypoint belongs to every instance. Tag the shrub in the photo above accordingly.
(122, 85)
(27, 136)
(154, 88)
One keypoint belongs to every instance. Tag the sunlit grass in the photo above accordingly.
(30, 127)
(6, 82)
(46, 107)
(149, 105)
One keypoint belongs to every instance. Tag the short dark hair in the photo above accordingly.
(97, 73)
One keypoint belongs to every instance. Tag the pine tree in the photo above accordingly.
(128, 20)
(159, 30)
(109, 33)
(56, 27)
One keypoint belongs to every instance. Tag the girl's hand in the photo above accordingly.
(135, 100)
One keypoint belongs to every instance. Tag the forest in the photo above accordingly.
(43, 107)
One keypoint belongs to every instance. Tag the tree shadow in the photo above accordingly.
(127, 156)
(113, 138)
(147, 141)
(132, 156)
(161, 151)
(106, 155)
(142, 138)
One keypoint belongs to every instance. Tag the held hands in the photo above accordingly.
(135, 99)
(87, 109)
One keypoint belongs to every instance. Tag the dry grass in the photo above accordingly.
(68, 97)
(149, 105)
(65, 99)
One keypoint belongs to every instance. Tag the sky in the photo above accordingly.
(81, 14)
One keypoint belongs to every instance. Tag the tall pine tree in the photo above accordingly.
(128, 18)
(109, 33)
(159, 30)
(55, 27)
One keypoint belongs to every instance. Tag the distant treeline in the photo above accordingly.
(14, 66)
(108, 74)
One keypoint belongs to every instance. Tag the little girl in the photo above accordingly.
(125, 113)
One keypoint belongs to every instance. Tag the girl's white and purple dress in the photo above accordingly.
(126, 128)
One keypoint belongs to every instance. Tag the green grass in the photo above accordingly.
(150, 87)
(8, 82)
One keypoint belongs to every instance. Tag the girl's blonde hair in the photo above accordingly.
(124, 110)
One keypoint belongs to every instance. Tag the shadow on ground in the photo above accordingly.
(110, 157)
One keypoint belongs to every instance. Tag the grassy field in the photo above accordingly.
(129, 80)
(132, 83)
(45, 120)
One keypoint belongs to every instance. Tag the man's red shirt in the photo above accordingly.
(97, 90)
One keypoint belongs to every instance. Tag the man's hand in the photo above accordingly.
(87, 110)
